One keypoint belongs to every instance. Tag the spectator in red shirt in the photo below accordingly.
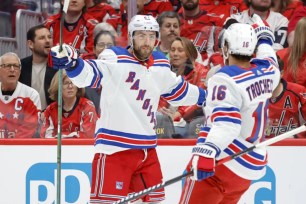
(299, 13)
(183, 56)
(294, 57)
(200, 27)
(19, 104)
(78, 114)
(78, 26)
(286, 7)
(120, 24)
(156, 7)
(100, 11)
(287, 108)
(223, 8)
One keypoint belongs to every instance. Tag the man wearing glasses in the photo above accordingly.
(19, 104)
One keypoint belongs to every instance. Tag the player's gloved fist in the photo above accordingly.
(203, 162)
(262, 29)
(67, 58)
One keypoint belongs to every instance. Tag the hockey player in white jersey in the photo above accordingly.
(133, 80)
(236, 111)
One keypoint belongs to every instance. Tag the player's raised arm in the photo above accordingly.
(82, 73)
(265, 39)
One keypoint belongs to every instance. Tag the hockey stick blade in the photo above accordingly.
(144, 192)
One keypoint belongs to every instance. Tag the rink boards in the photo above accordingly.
(29, 169)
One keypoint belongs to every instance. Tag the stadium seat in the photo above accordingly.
(164, 127)
(5, 24)
(194, 127)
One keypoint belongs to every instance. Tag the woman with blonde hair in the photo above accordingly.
(78, 114)
(294, 57)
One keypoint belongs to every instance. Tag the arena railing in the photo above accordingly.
(25, 19)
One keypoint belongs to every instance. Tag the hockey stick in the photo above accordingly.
(144, 192)
(59, 108)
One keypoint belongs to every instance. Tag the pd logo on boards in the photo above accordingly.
(262, 190)
(41, 183)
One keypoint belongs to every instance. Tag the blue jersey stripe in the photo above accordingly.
(243, 162)
(183, 94)
(253, 154)
(227, 119)
(73, 72)
(125, 134)
(232, 109)
(123, 145)
(253, 77)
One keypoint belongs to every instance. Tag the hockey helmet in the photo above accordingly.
(241, 39)
(144, 23)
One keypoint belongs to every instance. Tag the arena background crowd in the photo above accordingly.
(189, 38)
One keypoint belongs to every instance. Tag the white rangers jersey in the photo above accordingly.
(236, 111)
(130, 96)
(277, 23)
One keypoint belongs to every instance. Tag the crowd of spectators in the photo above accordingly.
(189, 38)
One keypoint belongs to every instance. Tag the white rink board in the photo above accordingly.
(28, 174)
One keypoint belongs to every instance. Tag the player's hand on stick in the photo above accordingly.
(202, 162)
(262, 29)
(62, 59)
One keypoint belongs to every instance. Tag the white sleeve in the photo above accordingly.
(266, 51)
(179, 92)
(36, 99)
(92, 73)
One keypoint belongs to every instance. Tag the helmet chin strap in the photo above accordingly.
(225, 56)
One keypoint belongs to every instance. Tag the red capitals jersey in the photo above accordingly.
(75, 33)
(19, 112)
(78, 123)
(223, 8)
(119, 22)
(288, 12)
(201, 29)
(286, 110)
(300, 77)
(156, 7)
(101, 11)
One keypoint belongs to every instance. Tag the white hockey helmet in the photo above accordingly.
(142, 22)
(241, 39)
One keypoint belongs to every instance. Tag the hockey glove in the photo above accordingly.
(262, 30)
(203, 162)
(67, 58)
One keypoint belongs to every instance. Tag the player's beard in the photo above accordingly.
(142, 54)
(260, 8)
(190, 7)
